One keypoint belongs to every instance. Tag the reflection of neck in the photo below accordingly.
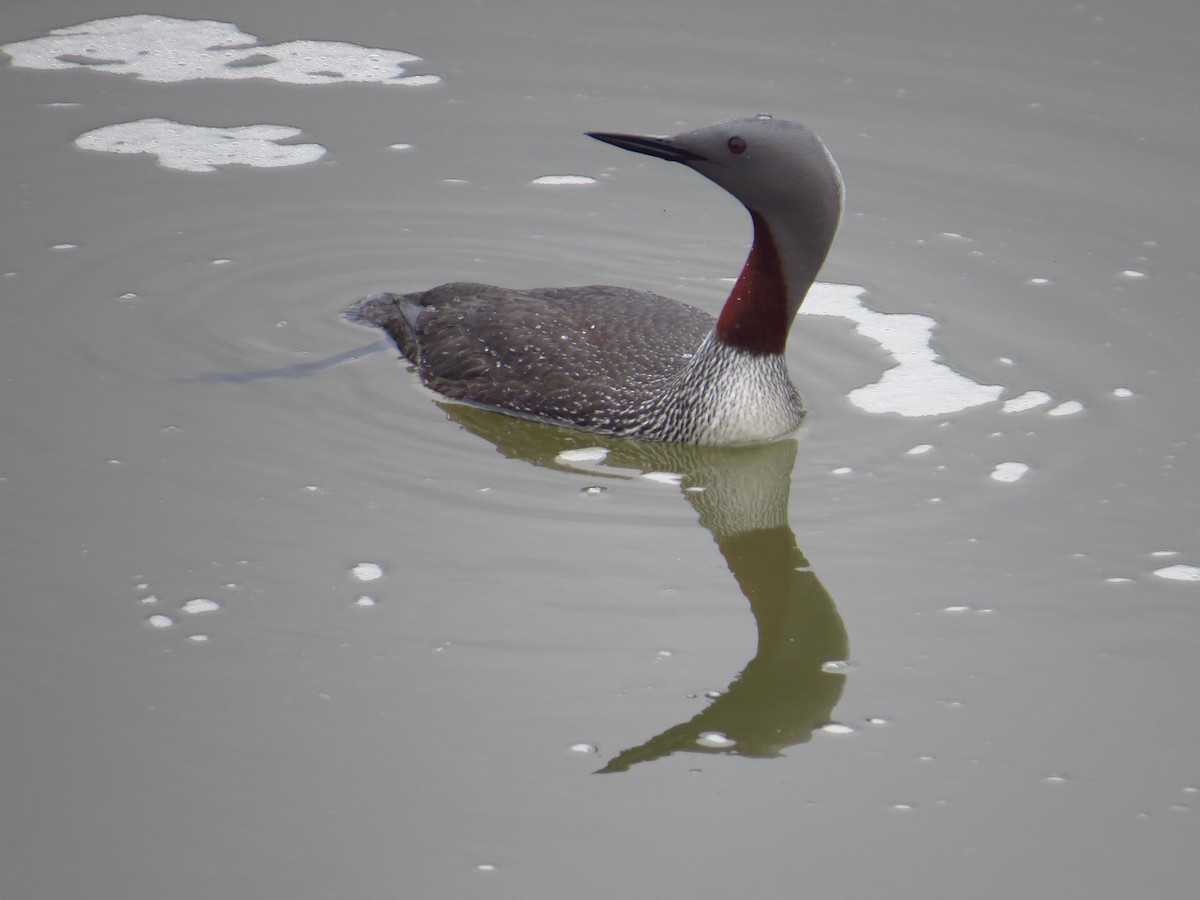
(783, 694)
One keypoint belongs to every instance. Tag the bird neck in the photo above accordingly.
(767, 294)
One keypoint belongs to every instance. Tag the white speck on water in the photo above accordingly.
(148, 600)
(1179, 573)
(129, 296)
(200, 605)
(713, 695)
(367, 571)
(563, 179)
(159, 621)
(671, 478)
(65, 247)
(1009, 472)
(1056, 778)
(878, 720)
(1027, 400)
(902, 807)
(715, 739)
(919, 449)
(1123, 392)
(365, 600)
(1066, 408)
(1117, 579)
(594, 489)
(583, 748)
(840, 666)
(198, 638)
(837, 728)
(583, 455)
(486, 867)
(956, 609)
(842, 470)
(1133, 274)
(400, 146)
(1038, 280)
(919, 384)
(1006, 361)
(1164, 552)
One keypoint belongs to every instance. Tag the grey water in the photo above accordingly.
(274, 622)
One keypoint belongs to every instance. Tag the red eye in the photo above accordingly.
(736, 146)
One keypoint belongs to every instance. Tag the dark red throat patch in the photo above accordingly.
(755, 315)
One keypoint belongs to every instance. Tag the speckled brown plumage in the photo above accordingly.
(573, 354)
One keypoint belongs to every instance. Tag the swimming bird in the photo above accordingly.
(632, 363)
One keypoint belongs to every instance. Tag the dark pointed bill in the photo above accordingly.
(661, 147)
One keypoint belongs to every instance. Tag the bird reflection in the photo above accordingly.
(741, 494)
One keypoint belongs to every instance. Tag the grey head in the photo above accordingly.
(779, 170)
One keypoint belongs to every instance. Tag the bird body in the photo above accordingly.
(632, 363)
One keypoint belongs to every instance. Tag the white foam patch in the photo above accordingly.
(1008, 472)
(919, 384)
(563, 179)
(199, 148)
(1027, 400)
(1179, 573)
(161, 48)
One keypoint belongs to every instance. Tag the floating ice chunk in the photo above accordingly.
(162, 48)
(919, 384)
(199, 148)
(672, 478)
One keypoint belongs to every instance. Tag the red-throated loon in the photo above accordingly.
(632, 363)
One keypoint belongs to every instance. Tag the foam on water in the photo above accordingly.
(162, 48)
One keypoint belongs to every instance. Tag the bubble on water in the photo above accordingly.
(128, 296)
(715, 740)
(365, 600)
(1066, 408)
(148, 599)
(1164, 552)
(956, 609)
(159, 621)
(400, 146)
(919, 449)
(200, 605)
(563, 180)
(842, 470)
(1118, 579)
(197, 638)
(1179, 573)
(1055, 778)
(1008, 472)
(486, 867)
(219, 262)
(64, 247)
(837, 728)
(1027, 400)
(903, 807)
(583, 747)
(367, 571)
(1123, 392)
(713, 695)
(878, 720)
(1038, 280)
(1133, 274)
